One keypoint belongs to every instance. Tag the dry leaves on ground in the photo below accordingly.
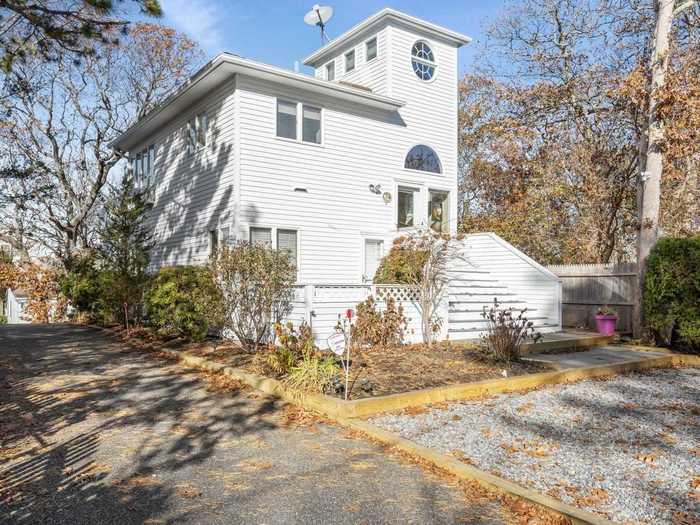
(188, 491)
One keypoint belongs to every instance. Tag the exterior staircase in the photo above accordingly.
(472, 288)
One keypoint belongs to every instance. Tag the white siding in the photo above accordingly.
(373, 74)
(536, 286)
(360, 147)
(194, 194)
(247, 176)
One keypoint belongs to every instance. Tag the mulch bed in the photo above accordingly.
(414, 367)
(375, 372)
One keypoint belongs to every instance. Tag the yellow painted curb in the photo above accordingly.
(335, 407)
(468, 472)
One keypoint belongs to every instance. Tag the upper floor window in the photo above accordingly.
(196, 133)
(423, 158)
(143, 166)
(330, 71)
(423, 61)
(371, 49)
(349, 61)
(286, 119)
(288, 123)
(311, 125)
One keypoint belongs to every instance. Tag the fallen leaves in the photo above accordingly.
(651, 457)
(254, 465)
(188, 491)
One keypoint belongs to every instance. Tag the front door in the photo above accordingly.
(373, 254)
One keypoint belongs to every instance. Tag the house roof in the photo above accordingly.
(370, 23)
(223, 67)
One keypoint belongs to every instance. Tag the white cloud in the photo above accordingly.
(200, 19)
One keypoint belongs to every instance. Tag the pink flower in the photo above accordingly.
(348, 313)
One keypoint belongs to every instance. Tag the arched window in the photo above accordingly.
(422, 158)
(423, 60)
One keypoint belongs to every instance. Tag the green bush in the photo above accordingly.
(672, 293)
(3, 319)
(83, 285)
(182, 300)
(402, 265)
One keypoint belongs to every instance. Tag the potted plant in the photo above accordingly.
(606, 320)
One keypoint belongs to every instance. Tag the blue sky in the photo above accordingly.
(274, 31)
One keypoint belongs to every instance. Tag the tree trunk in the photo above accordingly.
(649, 196)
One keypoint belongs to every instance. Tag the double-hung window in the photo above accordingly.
(196, 133)
(349, 61)
(143, 167)
(285, 240)
(330, 71)
(371, 49)
(288, 123)
(287, 119)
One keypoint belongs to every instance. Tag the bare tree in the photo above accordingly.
(62, 116)
(432, 281)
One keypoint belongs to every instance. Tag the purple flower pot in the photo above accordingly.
(606, 324)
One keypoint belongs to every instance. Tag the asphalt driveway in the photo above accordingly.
(94, 432)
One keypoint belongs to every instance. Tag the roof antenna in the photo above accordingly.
(319, 16)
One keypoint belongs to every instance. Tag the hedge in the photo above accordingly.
(672, 293)
(182, 300)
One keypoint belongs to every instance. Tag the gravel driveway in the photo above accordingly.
(627, 447)
(94, 434)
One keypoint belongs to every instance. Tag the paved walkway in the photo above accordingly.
(92, 433)
(602, 355)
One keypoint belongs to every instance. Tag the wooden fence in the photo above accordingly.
(585, 287)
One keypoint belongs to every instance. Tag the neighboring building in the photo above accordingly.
(331, 167)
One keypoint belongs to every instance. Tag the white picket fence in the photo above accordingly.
(321, 304)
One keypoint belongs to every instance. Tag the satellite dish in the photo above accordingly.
(319, 16)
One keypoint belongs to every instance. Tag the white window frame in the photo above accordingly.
(143, 168)
(376, 49)
(450, 213)
(354, 61)
(273, 233)
(300, 122)
(429, 173)
(435, 63)
(417, 205)
(192, 141)
(327, 68)
(296, 123)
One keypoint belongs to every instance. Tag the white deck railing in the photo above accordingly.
(320, 304)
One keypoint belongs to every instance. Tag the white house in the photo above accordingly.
(331, 167)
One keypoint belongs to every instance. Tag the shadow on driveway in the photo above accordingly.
(92, 432)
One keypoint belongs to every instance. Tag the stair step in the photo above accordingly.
(490, 295)
(476, 330)
(488, 302)
(482, 320)
(459, 280)
(494, 286)
(477, 310)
